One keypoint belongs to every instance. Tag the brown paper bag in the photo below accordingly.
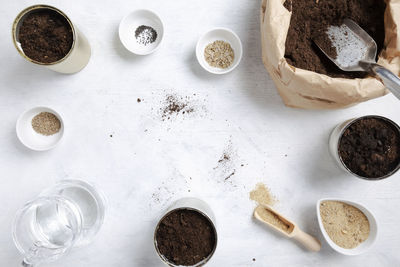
(306, 89)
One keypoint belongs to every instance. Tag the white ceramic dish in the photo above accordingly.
(219, 34)
(131, 22)
(33, 140)
(364, 246)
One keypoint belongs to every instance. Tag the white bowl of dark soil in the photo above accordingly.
(40, 128)
(141, 32)
(219, 51)
(348, 227)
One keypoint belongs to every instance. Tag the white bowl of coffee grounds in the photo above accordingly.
(34, 140)
(363, 246)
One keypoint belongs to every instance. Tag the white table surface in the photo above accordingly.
(148, 163)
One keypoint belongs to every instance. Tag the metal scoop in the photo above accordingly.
(356, 51)
(270, 217)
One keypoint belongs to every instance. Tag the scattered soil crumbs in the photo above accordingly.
(224, 158)
(262, 195)
(346, 225)
(175, 105)
(185, 237)
(162, 195)
(173, 185)
(230, 175)
(226, 167)
(273, 219)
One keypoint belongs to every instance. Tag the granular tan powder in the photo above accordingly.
(273, 219)
(262, 195)
(346, 225)
(46, 123)
(219, 54)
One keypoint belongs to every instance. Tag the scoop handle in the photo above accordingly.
(308, 241)
(390, 80)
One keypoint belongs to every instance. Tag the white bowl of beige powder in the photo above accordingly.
(348, 227)
(219, 51)
(40, 128)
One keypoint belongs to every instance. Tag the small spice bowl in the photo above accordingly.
(129, 27)
(222, 34)
(30, 138)
(364, 246)
(189, 205)
(336, 139)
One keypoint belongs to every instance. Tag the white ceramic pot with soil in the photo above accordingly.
(187, 221)
(44, 35)
(367, 147)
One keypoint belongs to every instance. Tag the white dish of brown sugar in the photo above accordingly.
(40, 128)
(348, 227)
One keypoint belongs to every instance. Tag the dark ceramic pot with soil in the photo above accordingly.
(45, 36)
(367, 147)
(186, 235)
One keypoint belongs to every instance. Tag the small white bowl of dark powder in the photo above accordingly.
(141, 32)
(40, 128)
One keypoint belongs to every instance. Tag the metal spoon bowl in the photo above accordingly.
(356, 51)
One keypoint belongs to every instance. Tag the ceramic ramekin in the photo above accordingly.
(225, 35)
(32, 139)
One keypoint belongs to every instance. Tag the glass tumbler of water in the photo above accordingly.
(64, 216)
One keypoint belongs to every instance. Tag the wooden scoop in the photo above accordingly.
(267, 215)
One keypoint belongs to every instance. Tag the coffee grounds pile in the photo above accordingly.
(370, 148)
(185, 237)
(174, 105)
(310, 19)
(45, 36)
